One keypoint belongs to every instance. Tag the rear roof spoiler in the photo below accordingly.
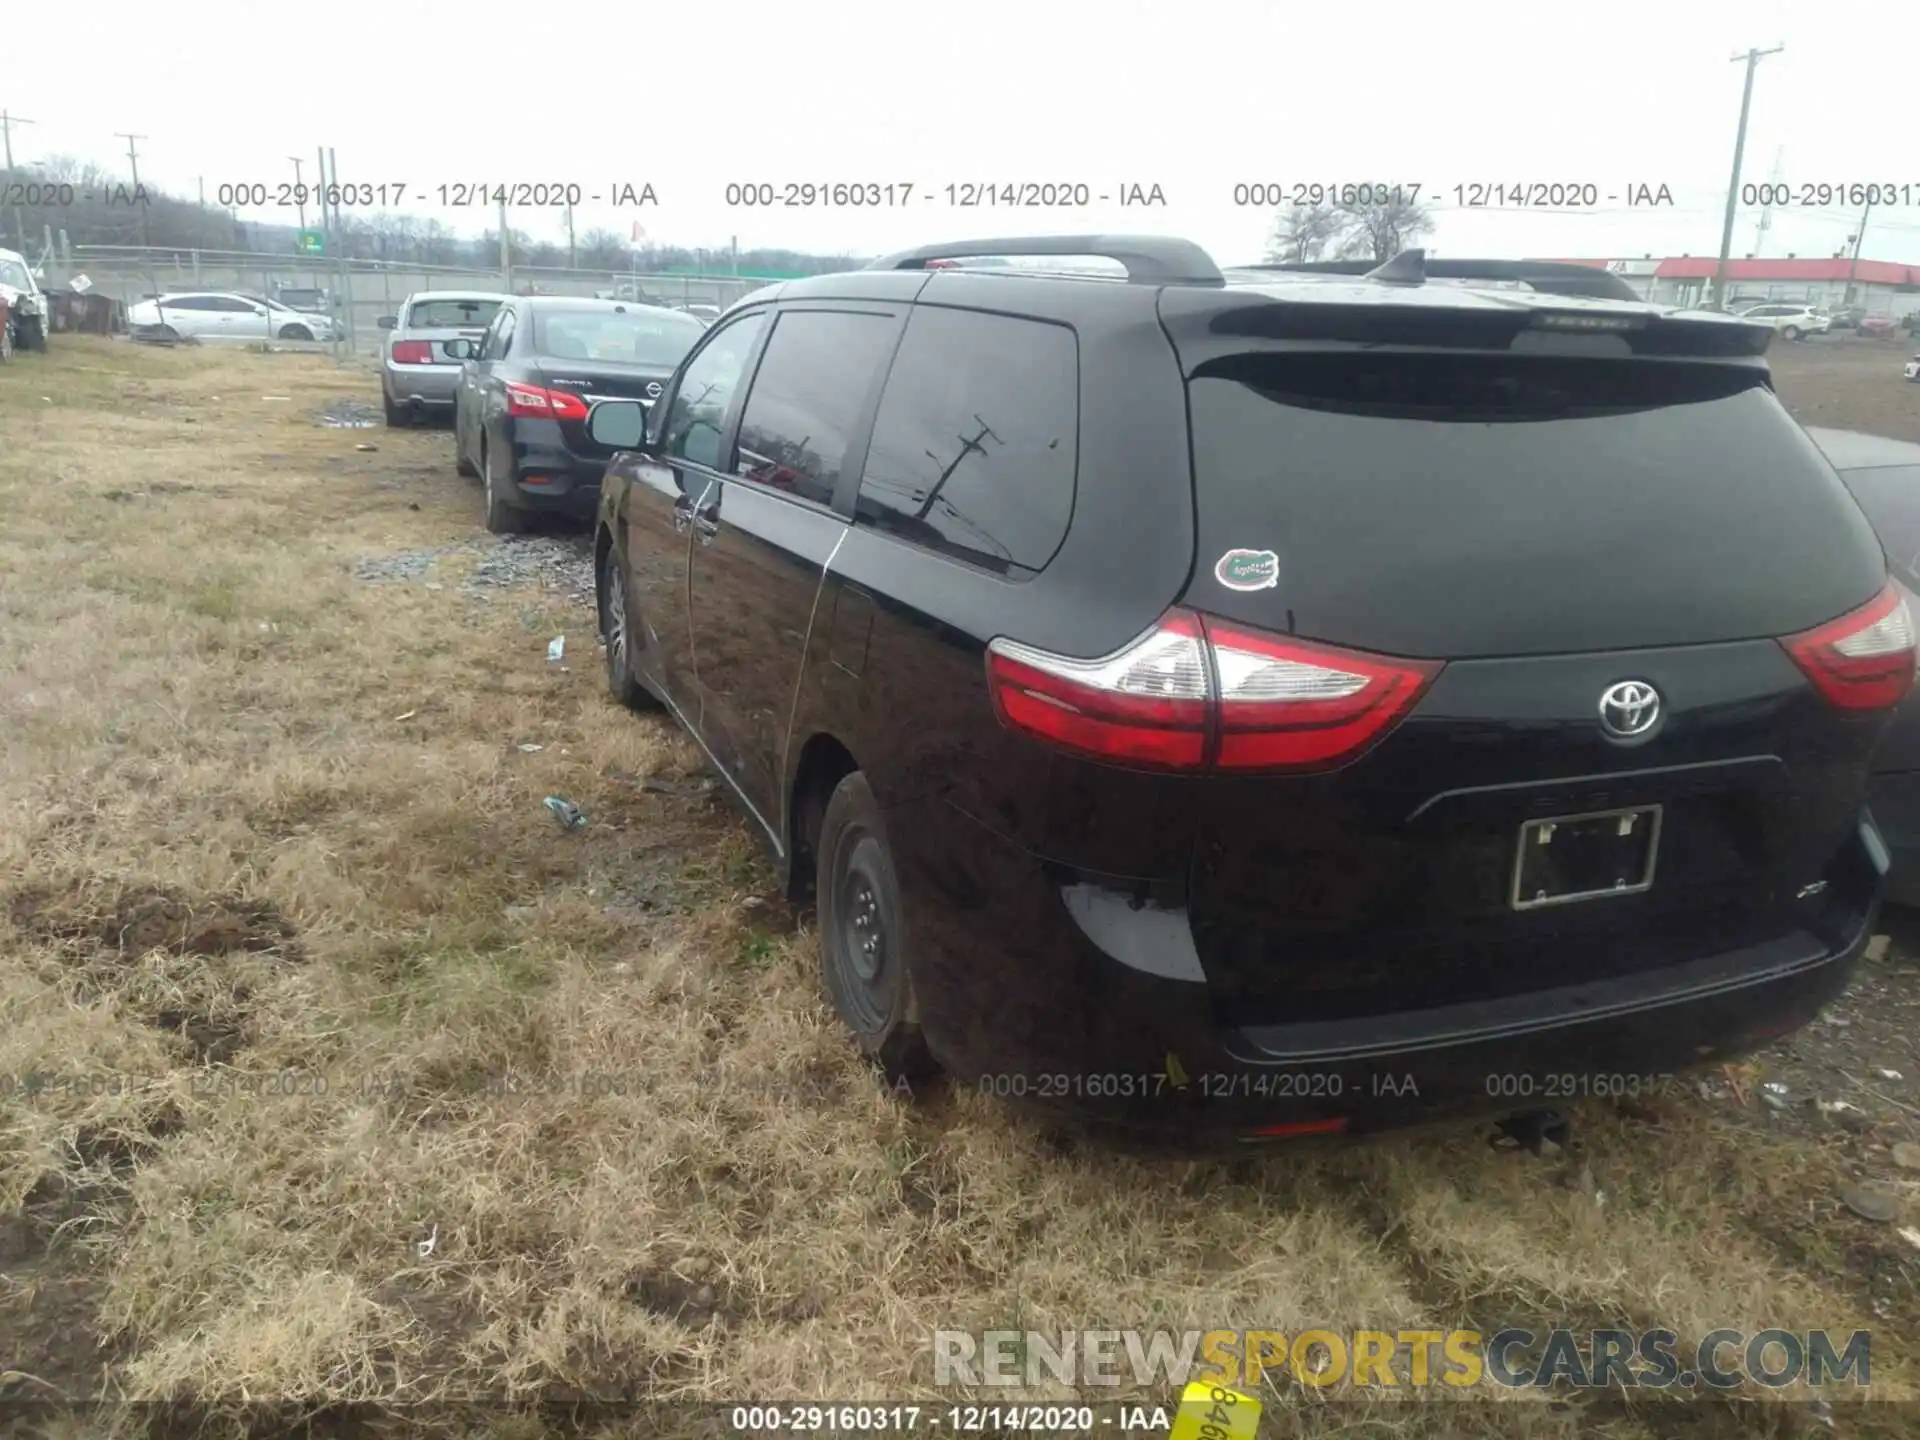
(1149, 259)
(1412, 267)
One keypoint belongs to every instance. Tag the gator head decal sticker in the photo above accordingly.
(1248, 570)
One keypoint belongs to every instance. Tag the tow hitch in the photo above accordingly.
(1532, 1131)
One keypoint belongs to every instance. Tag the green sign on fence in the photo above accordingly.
(313, 242)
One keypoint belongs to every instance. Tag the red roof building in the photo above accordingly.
(1881, 286)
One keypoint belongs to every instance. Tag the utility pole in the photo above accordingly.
(1766, 211)
(967, 447)
(133, 160)
(506, 254)
(1859, 237)
(570, 249)
(299, 192)
(1753, 58)
(7, 122)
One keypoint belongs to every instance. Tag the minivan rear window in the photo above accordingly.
(1457, 505)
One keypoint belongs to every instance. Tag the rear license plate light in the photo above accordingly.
(1568, 858)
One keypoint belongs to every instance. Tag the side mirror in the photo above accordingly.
(460, 349)
(388, 322)
(618, 424)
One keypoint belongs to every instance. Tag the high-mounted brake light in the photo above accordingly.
(1570, 320)
(1199, 694)
(413, 352)
(533, 400)
(1865, 659)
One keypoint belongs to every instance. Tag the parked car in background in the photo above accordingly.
(1789, 321)
(1848, 317)
(1879, 327)
(29, 317)
(302, 298)
(705, 314)
(1884, 477)
(526, 387)
(1913, 368)
(417, 375)
(224, 315)
(1216, 689)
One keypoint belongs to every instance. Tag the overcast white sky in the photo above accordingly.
(1194, 96)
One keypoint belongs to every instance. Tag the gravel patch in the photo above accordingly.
(556, 563)
(348, 415)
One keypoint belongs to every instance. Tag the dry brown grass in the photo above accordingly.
(230, 875)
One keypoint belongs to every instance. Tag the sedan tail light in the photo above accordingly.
(1203, 695)
(413, 352)
(1865, 659)
(544, 403)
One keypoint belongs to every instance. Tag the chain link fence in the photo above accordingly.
(358, 292)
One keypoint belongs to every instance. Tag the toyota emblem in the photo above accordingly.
(1629, 709)
(653, 389)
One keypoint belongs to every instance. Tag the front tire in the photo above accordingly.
(6, 340)
(503, 517)
(295, 332)
(862, 938)
(33, 334)
(616, 629)
(1792, 332)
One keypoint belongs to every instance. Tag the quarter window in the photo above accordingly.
(697, 415)
(976, 443)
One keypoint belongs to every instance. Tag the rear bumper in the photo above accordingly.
(1895, 799)
(550, 477)
(424, 385)
(1065, 991)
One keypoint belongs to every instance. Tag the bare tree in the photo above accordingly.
(602, 250)
(1381, 230)
(1302, 233)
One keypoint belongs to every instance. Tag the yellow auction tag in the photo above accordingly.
(1213, 1412)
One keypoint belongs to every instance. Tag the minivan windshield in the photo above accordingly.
(1521, 504)
(644, 337)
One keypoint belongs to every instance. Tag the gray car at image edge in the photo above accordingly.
(417, 378)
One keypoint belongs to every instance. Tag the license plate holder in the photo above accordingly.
(1564, 859)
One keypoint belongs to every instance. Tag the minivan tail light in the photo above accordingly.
(1865, 659)
(1292, 705)
(1198, 694)
(413, 352)
(1147, 704)
(546, 404)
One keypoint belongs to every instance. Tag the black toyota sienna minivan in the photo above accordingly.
(1268, 702)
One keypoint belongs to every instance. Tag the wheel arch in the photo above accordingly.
(824, 761)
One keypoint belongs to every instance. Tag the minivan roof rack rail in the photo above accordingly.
(1552, 277)
(1149, 259)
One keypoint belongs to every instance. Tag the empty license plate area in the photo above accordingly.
(1583, 857)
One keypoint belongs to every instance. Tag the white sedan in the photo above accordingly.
(217, 315)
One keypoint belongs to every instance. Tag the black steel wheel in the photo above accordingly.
(862, 939)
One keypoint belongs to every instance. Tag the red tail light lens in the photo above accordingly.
(413, 352)
(1194, 694)
(1146, 704)
(1290, 705)
(1865, 659)
(546, 404)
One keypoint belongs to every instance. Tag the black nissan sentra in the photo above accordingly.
(1269, 702)
(520, 405)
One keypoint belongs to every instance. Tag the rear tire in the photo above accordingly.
(616, 629)
(397, 418)
(862, 939)
(461, 464)
(503, 518)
